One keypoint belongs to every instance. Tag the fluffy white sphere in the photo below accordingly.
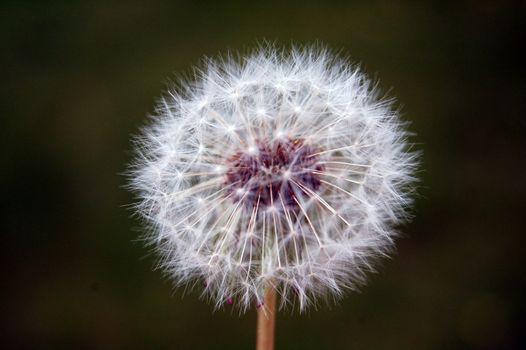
(278, 170)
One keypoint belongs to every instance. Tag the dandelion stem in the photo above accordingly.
(266, 320)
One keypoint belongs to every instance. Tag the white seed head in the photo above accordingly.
(282, 169)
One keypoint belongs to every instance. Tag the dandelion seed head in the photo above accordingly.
(283, 169)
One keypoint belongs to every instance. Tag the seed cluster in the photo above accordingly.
(273, 174)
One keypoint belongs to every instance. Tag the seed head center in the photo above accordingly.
(275, 174)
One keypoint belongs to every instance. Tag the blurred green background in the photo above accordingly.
(78, 78)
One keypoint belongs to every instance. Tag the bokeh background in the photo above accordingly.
(78, 78)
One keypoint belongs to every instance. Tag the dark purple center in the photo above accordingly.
(276, 173)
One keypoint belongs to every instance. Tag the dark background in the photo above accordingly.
(78, 78)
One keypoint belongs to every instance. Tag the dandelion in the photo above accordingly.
(279, 172)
